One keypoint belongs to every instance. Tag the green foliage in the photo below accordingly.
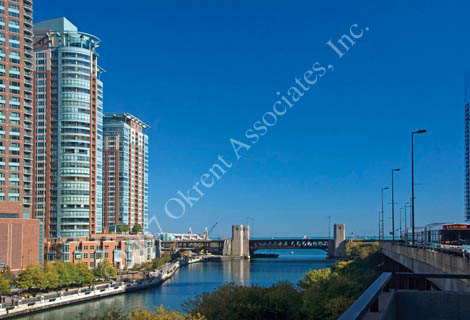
(85, 275)
(230, 301)
(314, 277)
(137, 228)
(65, 273)
(123, 229)
(30, 278)
(105, 270)
(4, 285)
(360, 249)
(154, 264)
(327, 294)
(7, 274)
(158, 314)
(158, 262)
(54, 275)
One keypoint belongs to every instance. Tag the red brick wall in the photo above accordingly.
(19, 243)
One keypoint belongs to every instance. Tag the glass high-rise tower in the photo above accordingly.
(16, 109)
(125, 172)
(69, 130)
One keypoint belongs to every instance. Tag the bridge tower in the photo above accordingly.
(240, 240)
(337, 246)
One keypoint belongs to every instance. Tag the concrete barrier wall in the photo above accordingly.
(421, 260)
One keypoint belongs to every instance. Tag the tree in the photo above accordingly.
(85, 275)
(7, 274)
(50, 278)
(64, 272)
(312, 278)
(123, 229)
(4, 286)
(158, 262)
(30, 278)
(158, 314)
(137, 228)
(233, 302)
(105, 270)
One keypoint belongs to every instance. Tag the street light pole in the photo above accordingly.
(400, 222)
(383, 235)
(379, 223)
(393, 207)
(413, 185)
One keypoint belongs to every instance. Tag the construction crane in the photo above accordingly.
(212, 228)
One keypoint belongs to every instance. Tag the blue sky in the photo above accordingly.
(200, 73)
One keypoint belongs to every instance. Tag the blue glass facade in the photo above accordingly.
(69, 159)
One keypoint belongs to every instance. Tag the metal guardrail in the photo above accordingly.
(453, 252)
(406, 275)
(368, 300)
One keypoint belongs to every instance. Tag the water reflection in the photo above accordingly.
(237, 271)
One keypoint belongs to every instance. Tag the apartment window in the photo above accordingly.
(14, 56)
(14, 41)
(13, 195)
(13, 14)
(14, 26)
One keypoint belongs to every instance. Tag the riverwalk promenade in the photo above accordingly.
(66, 297)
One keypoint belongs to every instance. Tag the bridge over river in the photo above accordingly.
(242, 245)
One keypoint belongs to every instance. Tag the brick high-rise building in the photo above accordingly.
(69, 121)
(125, 172)
(16, 109)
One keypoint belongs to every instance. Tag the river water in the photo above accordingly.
(198, 278)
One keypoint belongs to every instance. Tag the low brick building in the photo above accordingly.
(20, 243)
(124, 251)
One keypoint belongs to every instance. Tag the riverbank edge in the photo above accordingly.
(85, 294)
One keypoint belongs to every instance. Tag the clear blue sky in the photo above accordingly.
(202, 72)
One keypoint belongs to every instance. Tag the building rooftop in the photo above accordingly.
(56, 24)
(126, 116)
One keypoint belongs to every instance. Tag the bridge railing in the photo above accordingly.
(464, 253)
(369, 300)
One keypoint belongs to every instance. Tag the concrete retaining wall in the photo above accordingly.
(421, 260)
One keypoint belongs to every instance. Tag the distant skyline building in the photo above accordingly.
(16, 109)
(467, 144)
(125, 172)
(69, 122)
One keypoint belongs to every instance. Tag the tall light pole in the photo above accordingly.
(383, 235)
(393, 208)
(406, 206)
(400, 222)
(413, 185)
(380, 232)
